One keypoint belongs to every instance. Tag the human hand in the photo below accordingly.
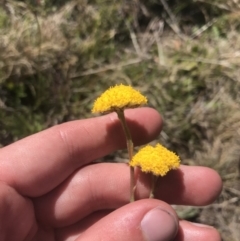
(50, 189)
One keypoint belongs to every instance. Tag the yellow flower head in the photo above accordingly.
(118, 97)
(157, 160)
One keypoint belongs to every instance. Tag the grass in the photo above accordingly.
(182, 54)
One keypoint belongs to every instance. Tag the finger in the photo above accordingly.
(147, 219)
(40, 162)
(189, 185)
(17, 220)
(193, 231)
(106, 186)
(188, 231)
(72, 232)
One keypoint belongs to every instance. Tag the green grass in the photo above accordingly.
(183, 56)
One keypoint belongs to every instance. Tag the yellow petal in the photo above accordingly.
(118, 97)
(157, 160)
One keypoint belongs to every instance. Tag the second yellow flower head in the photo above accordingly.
(118, 97)
(157, 160)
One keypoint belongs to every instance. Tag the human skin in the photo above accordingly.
(51, 188)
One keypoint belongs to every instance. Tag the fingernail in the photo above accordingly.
(159, 225)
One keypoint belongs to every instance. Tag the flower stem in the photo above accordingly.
(153, 185)
(121, 117)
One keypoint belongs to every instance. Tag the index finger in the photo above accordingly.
(37, 164)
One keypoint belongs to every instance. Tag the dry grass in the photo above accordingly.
(186, 60)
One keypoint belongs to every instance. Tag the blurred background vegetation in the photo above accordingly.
(57, 56)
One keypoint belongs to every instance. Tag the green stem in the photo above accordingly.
(121, 117)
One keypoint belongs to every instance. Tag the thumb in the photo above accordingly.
(143, 220)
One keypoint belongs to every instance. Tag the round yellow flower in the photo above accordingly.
(157, 160)
(118, 97)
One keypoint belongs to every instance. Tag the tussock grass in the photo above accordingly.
(58, 57)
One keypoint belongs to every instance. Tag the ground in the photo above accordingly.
(183, 55)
